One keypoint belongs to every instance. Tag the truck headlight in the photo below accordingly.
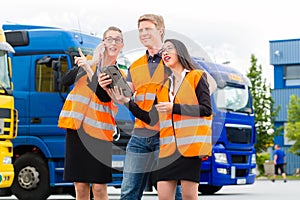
(222, 170)
(6, 160)
(220, 158)
(253, 159)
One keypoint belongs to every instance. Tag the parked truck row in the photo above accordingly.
(43, 54)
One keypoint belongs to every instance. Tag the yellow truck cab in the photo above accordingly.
(8, 114)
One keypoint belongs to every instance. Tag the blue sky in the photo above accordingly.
(228, 30)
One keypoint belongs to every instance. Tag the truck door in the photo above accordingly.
(46, 100)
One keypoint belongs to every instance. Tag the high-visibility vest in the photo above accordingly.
(190, 135)
(82, 108)
(146, 87)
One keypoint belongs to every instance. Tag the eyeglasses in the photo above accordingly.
(110, 40)
(168, 49)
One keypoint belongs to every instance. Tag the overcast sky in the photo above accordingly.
(228, 30)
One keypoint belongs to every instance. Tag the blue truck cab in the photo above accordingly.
(43, 54)
(233, 160)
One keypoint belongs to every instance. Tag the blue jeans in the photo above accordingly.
(141, 159)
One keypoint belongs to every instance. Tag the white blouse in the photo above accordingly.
(172, 93)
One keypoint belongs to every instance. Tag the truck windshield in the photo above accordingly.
(233, 98)
(4, 73)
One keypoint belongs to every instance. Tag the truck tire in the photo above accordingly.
(208, 189)
(31, 178)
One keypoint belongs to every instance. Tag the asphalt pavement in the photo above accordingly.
(260, 190)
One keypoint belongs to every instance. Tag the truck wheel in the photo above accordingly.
(31, 178)
(208, 189)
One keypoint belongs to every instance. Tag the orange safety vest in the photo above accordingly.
(190, 135)
(146, 87)
(82, 108)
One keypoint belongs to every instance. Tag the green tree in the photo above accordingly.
(263, 107)
(293, 124)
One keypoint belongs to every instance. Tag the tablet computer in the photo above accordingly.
(117, 79)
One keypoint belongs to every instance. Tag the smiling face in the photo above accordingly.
(113, 41)
(169, 55)
(149, 35)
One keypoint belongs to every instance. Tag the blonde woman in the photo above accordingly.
(88, 117)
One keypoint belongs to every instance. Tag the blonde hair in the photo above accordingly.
(112, 28)
(96, 53)
(157, 20)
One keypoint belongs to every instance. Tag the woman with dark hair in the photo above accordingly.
(183, 108)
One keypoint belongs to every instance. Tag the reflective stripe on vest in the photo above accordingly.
(99, 107)
(190, 135)
(192, 122)
(167, 140)
(144, 97)
(193, 139)
(165, 124)
(146, 87)
(83, 108)
(79, 98)
(99, 119)
(96, 124)
(71, 114)
(185, 123)
(185, 140)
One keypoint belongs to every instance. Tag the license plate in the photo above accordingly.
(117, 164)
(241, 181)
(1, 126)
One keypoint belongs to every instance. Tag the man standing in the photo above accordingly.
(145, 75)
(279, 158)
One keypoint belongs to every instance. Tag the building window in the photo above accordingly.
(292, 75)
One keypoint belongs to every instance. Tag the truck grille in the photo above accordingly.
(239, 135)
(239, 158)
(241, 172)
(10, 122)
(5, 115)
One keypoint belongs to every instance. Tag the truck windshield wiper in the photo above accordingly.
(227, 109)
(233, 110)
(243, 111)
